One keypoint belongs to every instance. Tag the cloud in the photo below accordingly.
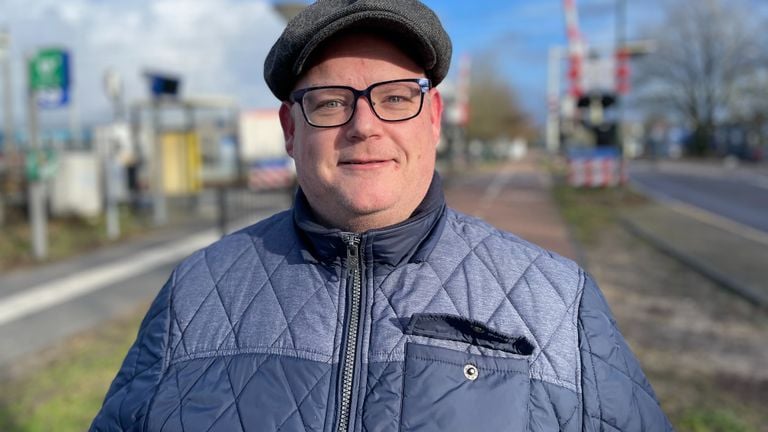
(217, 46)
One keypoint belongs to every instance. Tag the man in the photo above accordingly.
(370, 306)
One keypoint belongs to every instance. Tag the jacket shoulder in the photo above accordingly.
(247, 240)
(207, 291)
(477, 232)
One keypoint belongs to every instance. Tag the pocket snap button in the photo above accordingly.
(471, 372)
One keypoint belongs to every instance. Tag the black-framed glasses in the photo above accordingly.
(333, 106)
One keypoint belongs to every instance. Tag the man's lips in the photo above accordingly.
(363, 162)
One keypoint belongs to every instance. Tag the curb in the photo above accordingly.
(725, 281)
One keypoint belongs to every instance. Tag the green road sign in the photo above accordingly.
(41, 164)
(49, 69)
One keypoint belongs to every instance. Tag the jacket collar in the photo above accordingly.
(410, 240)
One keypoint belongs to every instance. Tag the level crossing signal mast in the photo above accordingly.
(594, 155)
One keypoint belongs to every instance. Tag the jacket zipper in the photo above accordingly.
(354, 284)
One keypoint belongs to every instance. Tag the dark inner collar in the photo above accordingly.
(389, 245)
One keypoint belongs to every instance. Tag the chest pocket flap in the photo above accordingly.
(446, 390)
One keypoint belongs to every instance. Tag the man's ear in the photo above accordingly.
(436, 114)
(289, 127)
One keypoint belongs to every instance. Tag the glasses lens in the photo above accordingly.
(328, 106)
(397, 100)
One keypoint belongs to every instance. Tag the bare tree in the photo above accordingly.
(707, 51)
(494, 108)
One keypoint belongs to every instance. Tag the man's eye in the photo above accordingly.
(395, 99)
(329, 104)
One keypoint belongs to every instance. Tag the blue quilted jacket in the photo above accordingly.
(439, 324)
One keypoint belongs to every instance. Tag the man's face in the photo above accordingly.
(368, 173)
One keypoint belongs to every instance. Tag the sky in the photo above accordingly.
(218, 46)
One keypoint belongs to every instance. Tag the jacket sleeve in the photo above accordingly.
(616, 394)
(126, 403)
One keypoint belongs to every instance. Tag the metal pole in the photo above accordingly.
(553, 100)
(76, 141)
(621, 28)
(5, 56)
(158, 195)
(36, 195)
(110, 174)
(8, 135)
(221, 198)
(111, 167)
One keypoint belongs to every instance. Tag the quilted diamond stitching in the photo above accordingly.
(327, 284)
(192, 386)
(547, 339)
(234, 398)
(129, 379)
(594, 372)
(178, 390)
(605, 422)
(183, 396)
(388, 301)
(194, 314)
(232, 389)
(288, 326)
(376, 383)
(463, 260)
(551, 284)
(184, 330)
(256, 370)
(289, 322)
(636, 403)
(529, 327)
(234, 402)
(568, 420)
(171, 350)
(266, 283)
(626, 374)
(244, 282)
(297, 403)
(429, 303)
(221, 300)
(559, 324)
(189, 266)
(437, 290)
(181, 340)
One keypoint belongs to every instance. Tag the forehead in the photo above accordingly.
(359, 56)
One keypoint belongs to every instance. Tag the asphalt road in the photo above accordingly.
(738, 194)
(709, 216)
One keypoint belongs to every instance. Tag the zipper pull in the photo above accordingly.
(352, 241)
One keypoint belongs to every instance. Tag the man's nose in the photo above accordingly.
(364, 121)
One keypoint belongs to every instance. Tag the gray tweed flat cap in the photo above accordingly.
(409, 23)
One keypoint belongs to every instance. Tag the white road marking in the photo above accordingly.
(494, 188)
(52, 293)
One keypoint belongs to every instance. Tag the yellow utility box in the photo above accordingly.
(182, 163)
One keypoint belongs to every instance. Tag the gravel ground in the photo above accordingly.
(703, 349)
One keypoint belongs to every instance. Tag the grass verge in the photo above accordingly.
(66, 237)
(64, 387)
(693, 402)
(590, 211)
